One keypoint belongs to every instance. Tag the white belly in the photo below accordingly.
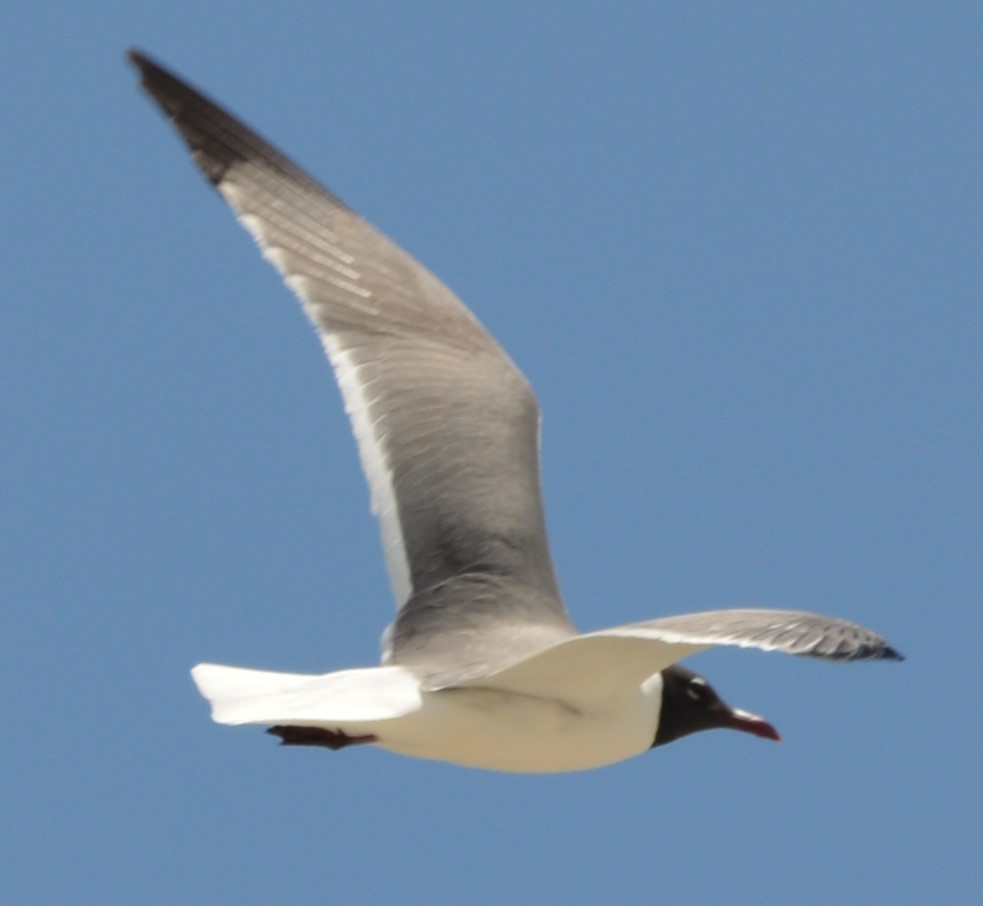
(505, 731)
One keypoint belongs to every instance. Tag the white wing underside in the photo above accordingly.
(591, 669)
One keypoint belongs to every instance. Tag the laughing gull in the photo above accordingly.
(482, 665)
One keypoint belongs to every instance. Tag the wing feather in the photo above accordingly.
(447, 427)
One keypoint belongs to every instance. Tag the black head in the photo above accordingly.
(690, 704)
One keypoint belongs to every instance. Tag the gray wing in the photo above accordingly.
(447, 426)
(611, 662)
(789, 631)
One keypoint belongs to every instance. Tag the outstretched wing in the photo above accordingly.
(599, 665)
(447, 426)
(790, 631)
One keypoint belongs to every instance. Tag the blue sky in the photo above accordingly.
(736, 249)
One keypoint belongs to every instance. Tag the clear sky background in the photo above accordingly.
(737, 250)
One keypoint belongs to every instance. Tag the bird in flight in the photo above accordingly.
(482, 665)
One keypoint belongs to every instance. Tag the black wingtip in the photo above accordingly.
(140, 60)
(153, 75)
(879, 652)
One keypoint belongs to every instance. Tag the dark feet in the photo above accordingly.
(318, 736)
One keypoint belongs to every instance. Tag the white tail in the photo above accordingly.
(241, 696)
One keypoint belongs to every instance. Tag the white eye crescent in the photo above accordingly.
(696, 689)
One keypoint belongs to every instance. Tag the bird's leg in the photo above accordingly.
(318, 736)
